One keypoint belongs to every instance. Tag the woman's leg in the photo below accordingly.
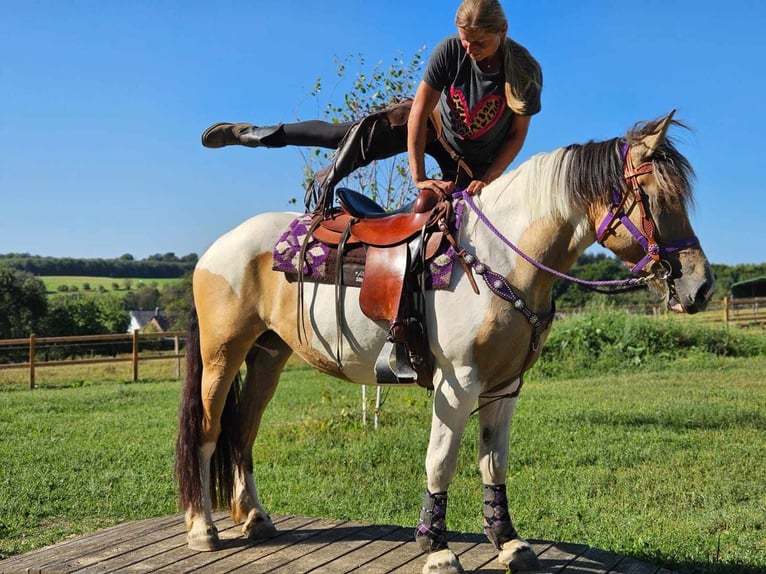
(309, 133)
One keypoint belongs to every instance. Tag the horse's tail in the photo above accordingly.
(227, 452)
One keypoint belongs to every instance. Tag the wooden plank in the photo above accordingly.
(126, 556)
(593, 561)
(128, 552)
(312, 539)
(124, 550)
(34, 554)
(53, 557)
(301, 556)
(186, 560)
(342, 554)
(131, 556)
(390, 551)
(559, 556)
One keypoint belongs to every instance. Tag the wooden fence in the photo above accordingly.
(727, 311)
(749, 312)
(34, 345)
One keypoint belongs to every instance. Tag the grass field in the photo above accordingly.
(666, 465)
(53, 283)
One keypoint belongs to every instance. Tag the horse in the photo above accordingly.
(631, 194)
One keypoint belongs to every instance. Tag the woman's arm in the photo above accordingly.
(510, 148)
(424, 103)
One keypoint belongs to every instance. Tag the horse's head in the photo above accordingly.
(646, 222)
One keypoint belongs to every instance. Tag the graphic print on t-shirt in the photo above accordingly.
(474, 122)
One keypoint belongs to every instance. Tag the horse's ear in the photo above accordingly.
(645, 149)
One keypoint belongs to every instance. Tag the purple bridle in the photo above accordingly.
(617, 214)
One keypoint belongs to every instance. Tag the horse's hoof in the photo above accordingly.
(260, 528)
(206, 541)
(442, 562)
(518, 556)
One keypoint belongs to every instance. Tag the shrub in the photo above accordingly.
(609, 340)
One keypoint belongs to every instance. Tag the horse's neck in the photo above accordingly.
(531, 207)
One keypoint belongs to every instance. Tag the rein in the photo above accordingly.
(632, 283)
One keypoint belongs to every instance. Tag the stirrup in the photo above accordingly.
(393, 366)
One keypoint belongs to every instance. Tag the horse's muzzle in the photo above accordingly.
(691, 299)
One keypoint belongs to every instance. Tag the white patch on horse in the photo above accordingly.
(230, 255)
(536, 190)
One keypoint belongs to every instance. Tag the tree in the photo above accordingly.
(142, 298)
(23, 303)
(112, 315)
(387, 181)
(176, 300)
(76, 315)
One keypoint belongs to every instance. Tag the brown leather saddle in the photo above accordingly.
(398, 244)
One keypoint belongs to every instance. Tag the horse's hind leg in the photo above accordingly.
(495, 415)
(221, 363)
(265, 362)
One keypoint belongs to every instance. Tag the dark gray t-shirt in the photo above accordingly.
(472, 106)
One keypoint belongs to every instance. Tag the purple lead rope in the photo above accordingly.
(633, 281)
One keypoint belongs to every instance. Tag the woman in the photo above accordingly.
(486, 87)
(471, 111)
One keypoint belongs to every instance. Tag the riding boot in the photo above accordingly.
(223, 134)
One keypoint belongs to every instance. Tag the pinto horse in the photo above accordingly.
(630, 193)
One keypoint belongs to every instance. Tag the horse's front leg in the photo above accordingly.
(453, 400)
(495, 414)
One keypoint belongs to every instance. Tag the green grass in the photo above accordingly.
(52, 283)
(665, 465)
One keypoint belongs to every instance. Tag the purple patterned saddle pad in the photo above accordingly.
(320, 260)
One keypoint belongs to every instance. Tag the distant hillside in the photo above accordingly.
(169, 266)
(159, 266)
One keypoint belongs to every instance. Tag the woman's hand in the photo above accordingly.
(475, 187)
(439, 185)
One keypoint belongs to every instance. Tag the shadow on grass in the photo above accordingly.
(680, 420)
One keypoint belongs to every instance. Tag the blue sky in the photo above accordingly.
(102, 103)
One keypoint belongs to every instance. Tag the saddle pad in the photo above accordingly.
(319, 263)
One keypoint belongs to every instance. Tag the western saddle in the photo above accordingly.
(397, 244)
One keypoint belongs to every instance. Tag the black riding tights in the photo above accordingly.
(316, 133)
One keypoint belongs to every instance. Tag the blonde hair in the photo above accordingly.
(486, 15)
(521, 70)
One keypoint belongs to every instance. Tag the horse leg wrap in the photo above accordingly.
(497, 521)
(431, 533)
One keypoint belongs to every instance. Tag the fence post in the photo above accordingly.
(32, 353)
(135, 355)
(178, 359)
(726, 310)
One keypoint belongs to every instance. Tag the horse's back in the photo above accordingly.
(232, 256)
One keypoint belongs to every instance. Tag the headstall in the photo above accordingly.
(646, 236)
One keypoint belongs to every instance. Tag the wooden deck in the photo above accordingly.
(302, 545)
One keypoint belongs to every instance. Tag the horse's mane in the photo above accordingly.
(594, 169)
